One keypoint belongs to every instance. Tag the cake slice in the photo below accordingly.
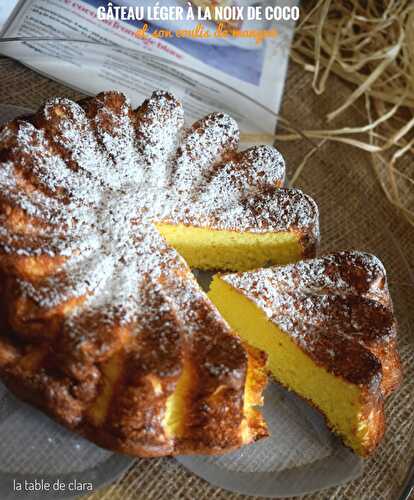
(328, 328)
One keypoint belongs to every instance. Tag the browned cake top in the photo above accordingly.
(336, 307)
(90, 179)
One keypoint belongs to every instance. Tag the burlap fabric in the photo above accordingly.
(354, 214)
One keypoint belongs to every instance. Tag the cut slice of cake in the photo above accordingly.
(328, 328)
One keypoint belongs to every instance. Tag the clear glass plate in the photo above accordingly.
(300, 457)
(34, 448)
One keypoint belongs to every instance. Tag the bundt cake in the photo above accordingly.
(328, 327)
(103, 325)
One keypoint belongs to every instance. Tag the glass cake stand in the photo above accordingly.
(300, 457)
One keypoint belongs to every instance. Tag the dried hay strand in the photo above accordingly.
(370, 44)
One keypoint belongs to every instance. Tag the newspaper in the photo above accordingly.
(242, 76)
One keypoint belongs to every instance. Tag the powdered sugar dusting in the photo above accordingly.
(94, 176)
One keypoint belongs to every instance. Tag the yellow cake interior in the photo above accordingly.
(256, 380)
(339, 400)
(177, 404)
(175, 414)
(111, 371)
(205, 248)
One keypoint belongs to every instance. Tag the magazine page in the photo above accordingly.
(245, 73)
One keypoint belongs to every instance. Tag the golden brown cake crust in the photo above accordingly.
(100, 319)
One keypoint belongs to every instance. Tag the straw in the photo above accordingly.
(370, 44)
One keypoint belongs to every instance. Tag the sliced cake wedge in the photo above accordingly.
(328, 328)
